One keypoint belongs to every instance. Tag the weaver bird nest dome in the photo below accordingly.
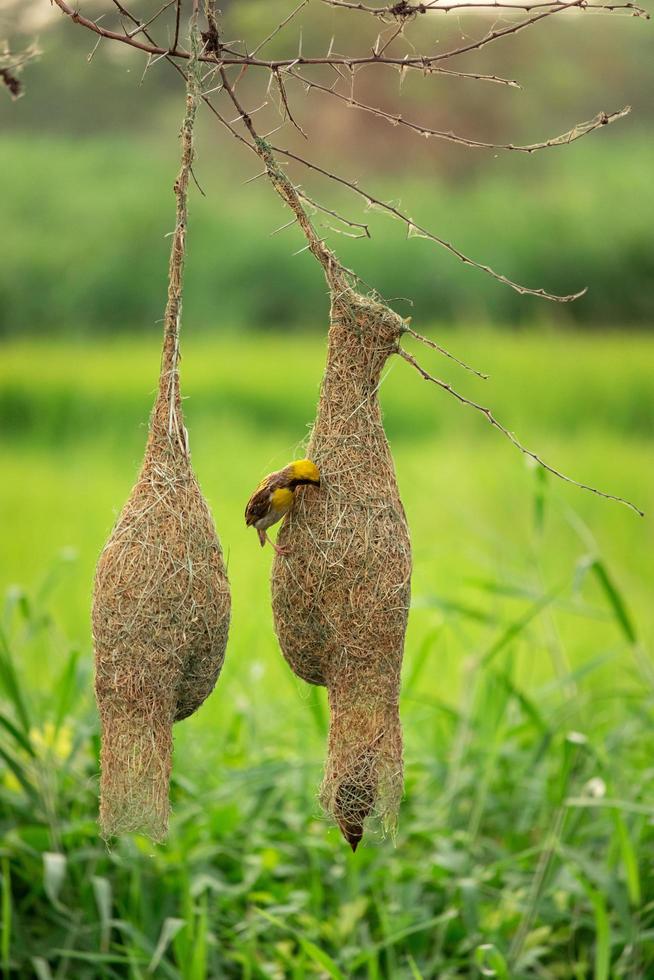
(160, 620)
(341, 594)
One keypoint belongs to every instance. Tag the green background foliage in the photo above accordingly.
(88, 159)
(86, 247)
(525, 841)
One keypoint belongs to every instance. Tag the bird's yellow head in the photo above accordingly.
(302, 471)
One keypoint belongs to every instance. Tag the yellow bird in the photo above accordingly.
(275, 496)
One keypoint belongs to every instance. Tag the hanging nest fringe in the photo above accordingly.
(341, 595)
(161, 601)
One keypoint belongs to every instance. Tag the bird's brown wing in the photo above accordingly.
(259, 503)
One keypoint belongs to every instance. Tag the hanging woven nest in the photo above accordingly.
(161, 601)
(341, 594)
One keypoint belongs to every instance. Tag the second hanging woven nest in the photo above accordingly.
(160, 621)
(161, 602)
(341, 594)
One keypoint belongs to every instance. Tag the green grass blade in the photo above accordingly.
(461, 609)
(615, 599)
(401, 934)
(21, 738)
(5, 932)
(602, 933)
(54, 875)
(490, 962)
(419, 660)
(629, 859)
(525, 702)
(169, 930)
(415, 972)
(540, 498)
(10, 683)
(198, 969)
(41, 968)
(102, 892)
(518, 626)
(67, 688)
(321, 958)
(19, 772)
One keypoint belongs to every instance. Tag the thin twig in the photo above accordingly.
(334, 214)
(331, 266)
(407, 10)
(178, 13)
(509, 435)
(418, 230)
(577, 132)
(279, 27)
(496, 35)
(441, 350)
(287, 109)
(419, 62)
(151, 20)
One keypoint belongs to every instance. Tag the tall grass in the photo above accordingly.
(524, 847)
(525, 839)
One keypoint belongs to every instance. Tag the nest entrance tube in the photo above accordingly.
(161, 602)
(341, 593)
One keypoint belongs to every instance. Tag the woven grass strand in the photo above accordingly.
(161, 602)
(341, 595)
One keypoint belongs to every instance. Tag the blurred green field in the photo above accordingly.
(526, 835)
(72, 420)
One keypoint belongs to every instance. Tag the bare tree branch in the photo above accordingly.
(420, 62)
(287, 109)
(413, 228)
(279, 27)
(405, 10)
(496, 35)
(178, 13)
(510, 436)
(416, 230)
(441, 350)
(141, 28)
(581, 129)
